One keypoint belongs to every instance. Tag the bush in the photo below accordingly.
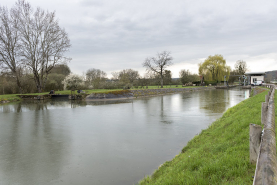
(73, 81)
(197, 82)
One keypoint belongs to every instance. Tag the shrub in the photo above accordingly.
(73, 81)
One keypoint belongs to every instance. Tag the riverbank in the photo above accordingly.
(136, 93)
(219, 154)
(8, 98)
(16, 97)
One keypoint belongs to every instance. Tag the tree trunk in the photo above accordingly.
(44, 81)
(38, 83)
(19, 85)
(18, 82)
(162, 80)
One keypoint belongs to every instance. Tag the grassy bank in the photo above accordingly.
(13, 97)
(9, 98)
(219, 154)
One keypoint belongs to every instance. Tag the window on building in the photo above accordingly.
(254, 79)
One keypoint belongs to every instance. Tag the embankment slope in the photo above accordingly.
(219, 154)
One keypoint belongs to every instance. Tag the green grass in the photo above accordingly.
(13, 97)
(9, 97)
(219, 154)
(275, 103)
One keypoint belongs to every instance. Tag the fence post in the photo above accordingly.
(264, 112)
(254, 142)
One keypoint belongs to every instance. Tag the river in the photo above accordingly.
(110, 143)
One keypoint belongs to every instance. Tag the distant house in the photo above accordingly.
(271, 76)
(252, 77)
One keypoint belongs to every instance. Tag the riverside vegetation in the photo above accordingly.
(219, 154)
(14, 97)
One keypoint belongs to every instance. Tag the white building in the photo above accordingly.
(254, 76)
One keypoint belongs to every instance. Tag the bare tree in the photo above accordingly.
(9, 45)
(42, 42)
(158, 64)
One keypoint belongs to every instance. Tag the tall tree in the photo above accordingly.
(158, 64)
(241, 67)
(10, 45)
(95, 76)
(128, 76)
(216, 67)
(42, 41)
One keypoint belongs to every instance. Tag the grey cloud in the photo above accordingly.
(91, 3)
(121, 34)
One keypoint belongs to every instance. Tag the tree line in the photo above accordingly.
(213, 69)
(32, 59)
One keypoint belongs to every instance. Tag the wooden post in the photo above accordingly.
(264, 113)
(254, 142)
(266, 98)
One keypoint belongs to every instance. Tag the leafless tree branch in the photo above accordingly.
(158, 64)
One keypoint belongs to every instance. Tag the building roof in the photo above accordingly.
(255, 73)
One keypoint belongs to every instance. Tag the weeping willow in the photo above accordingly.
(214, 68)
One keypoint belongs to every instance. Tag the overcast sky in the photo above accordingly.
(112, 35)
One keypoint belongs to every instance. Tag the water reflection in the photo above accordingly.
(105, 142)
(32, 151)
(215, 101)
(37, 105)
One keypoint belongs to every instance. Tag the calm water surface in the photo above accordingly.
(109, 143)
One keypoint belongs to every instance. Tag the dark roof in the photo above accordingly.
(255, 73)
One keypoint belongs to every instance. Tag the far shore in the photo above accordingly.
(8, 98)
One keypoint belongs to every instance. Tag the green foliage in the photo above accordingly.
(219, 154)
(9, 97)
(95, 78)
(214, 68)
(275, 102)
(54, 82)
(128, 76)
(211, 82)
(187, 77)
(62, 69)
(167, 77)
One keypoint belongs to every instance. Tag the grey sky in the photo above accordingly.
(113, 35)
